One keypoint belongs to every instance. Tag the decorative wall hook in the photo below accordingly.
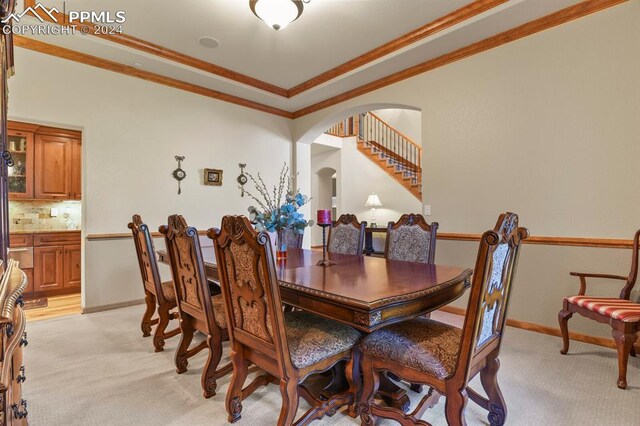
(179, 174)
(242, 179)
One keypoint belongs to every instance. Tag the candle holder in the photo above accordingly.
(324, 261)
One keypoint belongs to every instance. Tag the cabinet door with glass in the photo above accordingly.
(20, 179)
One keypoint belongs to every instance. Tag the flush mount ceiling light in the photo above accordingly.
(277, 13)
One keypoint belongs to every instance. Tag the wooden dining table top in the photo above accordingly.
(365, 292)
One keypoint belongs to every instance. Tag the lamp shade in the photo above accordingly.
(373, 201)
(277, 13)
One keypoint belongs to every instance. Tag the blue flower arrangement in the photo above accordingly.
(278, 210)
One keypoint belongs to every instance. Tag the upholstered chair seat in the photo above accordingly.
(168, 291)
(421, 344)
(313, 338)
(425, 352)
(288, 347)
(620, 313)
(618, 309)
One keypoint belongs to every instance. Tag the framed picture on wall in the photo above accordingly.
(213, 177)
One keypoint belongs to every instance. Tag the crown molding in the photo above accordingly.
(462, 14)
(83, 58)
(549, 21)
(171, 55)
(457, 16)
(568, 14)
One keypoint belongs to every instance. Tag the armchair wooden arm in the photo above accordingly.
(584, 275)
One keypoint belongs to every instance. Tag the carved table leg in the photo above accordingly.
(392, 394)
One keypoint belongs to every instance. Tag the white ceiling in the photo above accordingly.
(329, 33)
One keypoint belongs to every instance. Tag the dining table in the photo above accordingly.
(367, 293)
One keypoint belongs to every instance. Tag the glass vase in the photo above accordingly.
(281, 245)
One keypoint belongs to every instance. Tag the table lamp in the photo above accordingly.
(373, 201)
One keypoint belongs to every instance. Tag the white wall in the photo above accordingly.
(406, 121)
(547, 127)
(132, 130)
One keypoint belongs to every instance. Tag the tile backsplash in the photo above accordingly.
(36, 215)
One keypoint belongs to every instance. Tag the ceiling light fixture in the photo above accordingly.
(277, 13)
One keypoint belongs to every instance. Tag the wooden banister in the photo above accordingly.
(395, 130)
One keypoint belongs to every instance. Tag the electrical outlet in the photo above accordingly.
(54, 212)
(426, 210)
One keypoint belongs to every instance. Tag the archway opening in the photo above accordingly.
(324, 196)
(377, 151)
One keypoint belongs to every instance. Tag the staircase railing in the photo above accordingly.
(345, 128)
(405, 153)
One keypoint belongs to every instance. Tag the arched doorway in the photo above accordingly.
(324, 196)
(358, 174)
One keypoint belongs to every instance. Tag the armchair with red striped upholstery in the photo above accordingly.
(622, 314)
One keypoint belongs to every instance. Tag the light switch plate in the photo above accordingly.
(426, 210)
(54, 212)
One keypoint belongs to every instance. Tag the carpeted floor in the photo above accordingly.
(98, 370)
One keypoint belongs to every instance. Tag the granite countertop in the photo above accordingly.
(41, 231)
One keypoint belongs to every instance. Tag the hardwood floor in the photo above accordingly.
(58, 306)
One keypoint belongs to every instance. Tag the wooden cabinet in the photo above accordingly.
(56, 261)
(76, 170)
(48, 162)
(20, 240)
(20, 175)
(53, 167)
(48, 271)
(72, 256)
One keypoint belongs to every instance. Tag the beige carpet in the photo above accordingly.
(98, 370)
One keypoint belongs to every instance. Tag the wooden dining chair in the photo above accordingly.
(346, 235)
(159, 296)
(288, 347)
(444, 357)
(411, 239)
(199, 310)
(293, 238)
(620, 313)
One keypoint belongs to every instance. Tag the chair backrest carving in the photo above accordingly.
(250, 288)
(492, 278)
(346, 235)
(411, 239)
(633, 274)
(146, 254)
(193, 296)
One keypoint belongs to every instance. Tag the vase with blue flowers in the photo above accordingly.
(277, 210)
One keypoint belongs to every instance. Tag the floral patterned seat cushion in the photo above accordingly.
(219, 311)
(409, 243)
(313, 338)
(344, 239)
(168, 291)
(420, 344)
